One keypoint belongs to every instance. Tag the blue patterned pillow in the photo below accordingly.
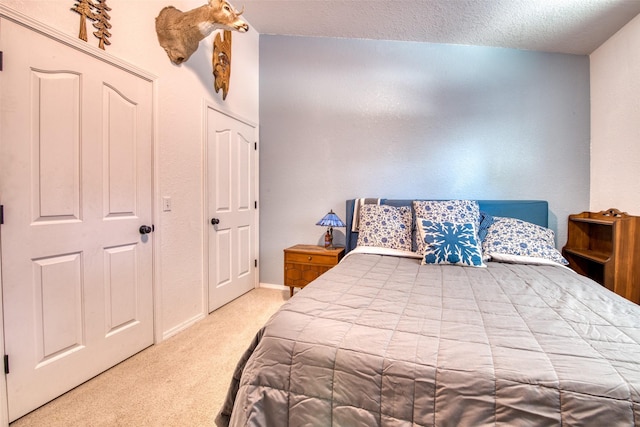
(485, 222)
(511, 236)
(450, 243)
(385, 226)
(454, 211)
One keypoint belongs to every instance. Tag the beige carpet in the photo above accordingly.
(180, 382)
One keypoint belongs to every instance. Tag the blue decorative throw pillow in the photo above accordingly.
(450, 243)
(385, 226)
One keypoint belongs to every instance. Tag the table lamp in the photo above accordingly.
(330, 220)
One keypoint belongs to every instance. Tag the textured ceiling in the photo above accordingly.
(566, 26)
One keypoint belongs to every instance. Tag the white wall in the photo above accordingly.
(181, 93)
(347, 118)
(615, 122)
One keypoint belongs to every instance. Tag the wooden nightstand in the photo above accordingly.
(304, 263)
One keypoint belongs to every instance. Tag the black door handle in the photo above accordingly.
(215, 221)
(145, 229)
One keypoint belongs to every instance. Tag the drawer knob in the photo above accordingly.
(310, 258)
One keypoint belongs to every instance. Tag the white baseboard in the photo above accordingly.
(272, 286)
(181, 327)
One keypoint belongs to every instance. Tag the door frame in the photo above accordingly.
(37, 26)
(207, 104)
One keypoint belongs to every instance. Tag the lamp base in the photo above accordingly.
(328, 238)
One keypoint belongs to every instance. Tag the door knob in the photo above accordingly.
(215, 221)
(145, 229)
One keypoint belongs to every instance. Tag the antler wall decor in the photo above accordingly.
(222, 62)
(179, 33)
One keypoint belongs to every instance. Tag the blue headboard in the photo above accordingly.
(535, 211)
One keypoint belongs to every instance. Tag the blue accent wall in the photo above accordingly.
(348, 118)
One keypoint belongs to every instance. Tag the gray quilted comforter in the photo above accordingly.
(384, 341)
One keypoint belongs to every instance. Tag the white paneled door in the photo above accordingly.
(231, 207)
(75, 182)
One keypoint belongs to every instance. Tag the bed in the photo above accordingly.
(426, 335)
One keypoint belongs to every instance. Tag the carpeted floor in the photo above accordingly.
(180, 382)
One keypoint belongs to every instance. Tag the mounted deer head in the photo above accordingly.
(179, 33)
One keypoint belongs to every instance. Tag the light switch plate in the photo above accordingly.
(166, 203)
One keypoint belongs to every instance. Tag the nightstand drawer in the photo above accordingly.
(310, 259)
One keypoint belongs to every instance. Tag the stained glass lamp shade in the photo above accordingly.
(330, 220)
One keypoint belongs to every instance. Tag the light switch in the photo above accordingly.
(166, 203)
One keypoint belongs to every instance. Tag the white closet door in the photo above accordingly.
(75, 182)
(232, 218)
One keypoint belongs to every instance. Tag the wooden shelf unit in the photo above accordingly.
(605, 246)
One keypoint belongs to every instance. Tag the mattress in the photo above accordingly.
(381, 340)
